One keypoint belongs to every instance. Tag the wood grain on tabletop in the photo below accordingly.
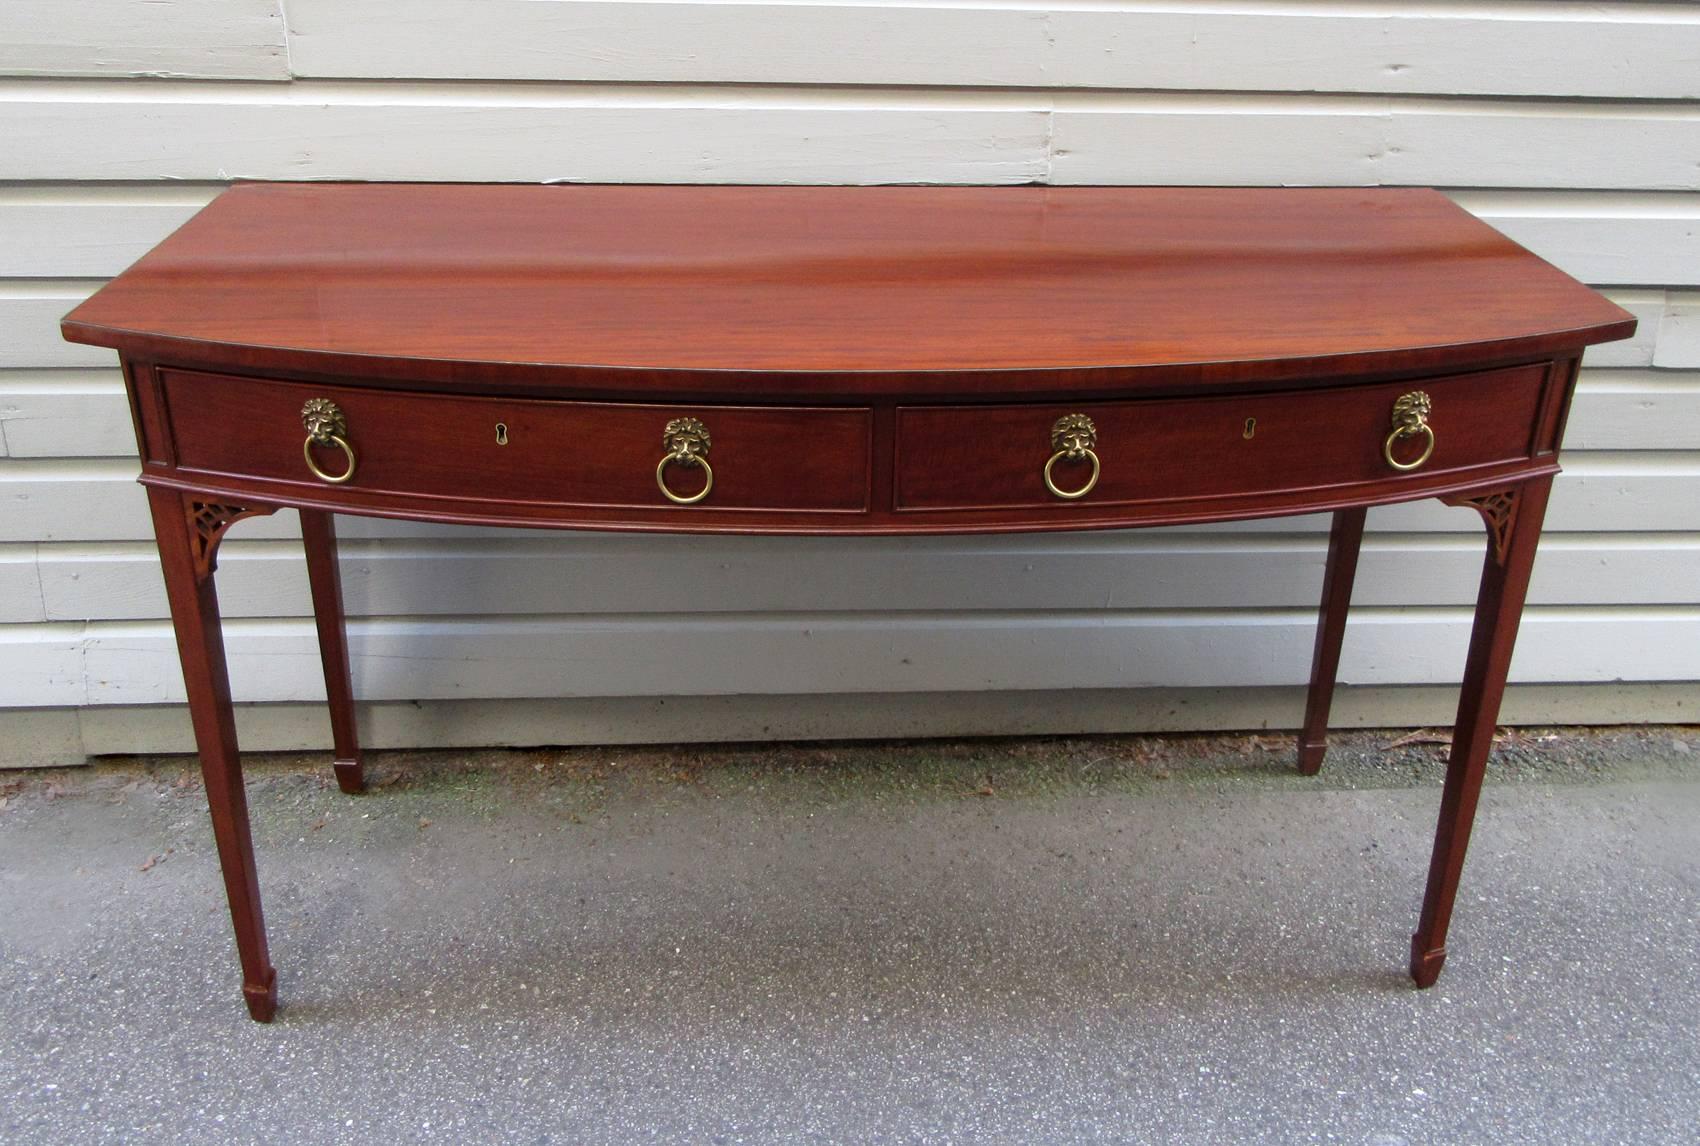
(819, 281)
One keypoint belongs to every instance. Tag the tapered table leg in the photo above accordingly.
(188, 532)
(1344, 540)
(318, 536)
(1514, 527)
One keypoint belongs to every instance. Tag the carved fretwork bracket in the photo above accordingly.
(207, 522)
(1499, 511)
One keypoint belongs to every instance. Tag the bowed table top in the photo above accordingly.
(832, 292)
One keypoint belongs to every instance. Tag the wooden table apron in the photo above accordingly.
(232, 423)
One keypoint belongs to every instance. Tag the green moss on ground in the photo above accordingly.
(581, 784)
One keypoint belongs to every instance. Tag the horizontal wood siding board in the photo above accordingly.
(98, 499)
(1643, 51)
(618, 577)
(29, 328)
(339, 132)
(42, 666)
(212, 39)
(47, 422)
(21, 599)
(1254, 140)
(1678, 342)
(1635, 409)
(135, 662)
(333, 130)
(87, 239)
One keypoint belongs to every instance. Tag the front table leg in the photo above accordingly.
(188, 531)
(1513, 519)
(318, 537)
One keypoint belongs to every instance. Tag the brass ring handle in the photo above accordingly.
(1072, 437)
(1410, 418)
(686, 442)
(326, 426)
(1403, 432)
(684, 460)
(347, 452)
(1072, 494)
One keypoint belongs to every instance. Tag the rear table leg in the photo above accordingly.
(1343, 542)
(318, 536)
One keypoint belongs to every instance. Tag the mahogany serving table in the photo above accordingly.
(838, 360)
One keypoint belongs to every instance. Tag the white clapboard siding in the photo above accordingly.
(30, 310)
(528, 132)
(64, 413)
(524, 133)
(134, 662)
(1679, 330)
(83, 413)
(219, 39)
(1574, 128)
(579, 575)
(43, 665)
(98, 499)
(1610, 50)
(60, 231)
(1635, 410)
(1103, 137)
(20, 586)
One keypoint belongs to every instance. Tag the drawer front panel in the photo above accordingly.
(957, 457)
(569, 453)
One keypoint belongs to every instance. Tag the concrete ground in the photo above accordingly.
(1067, 940)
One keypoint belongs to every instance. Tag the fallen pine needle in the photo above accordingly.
(1420, 736)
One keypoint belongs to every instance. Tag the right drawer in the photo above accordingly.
(982, 457)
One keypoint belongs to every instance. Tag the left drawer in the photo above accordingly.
(521, 449)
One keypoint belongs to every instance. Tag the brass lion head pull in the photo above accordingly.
(686, 441)
(324, 420)
(1410, 411)
(1410, 419)
(1073, 437)
(326, 426)
(1074, 434)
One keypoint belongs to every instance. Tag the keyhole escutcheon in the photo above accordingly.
(501, 433)
(1250, 428)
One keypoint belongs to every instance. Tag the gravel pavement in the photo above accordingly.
(1120, 939)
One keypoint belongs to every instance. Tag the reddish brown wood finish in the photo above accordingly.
(188, 532)
(867, 360)
(1514, 529)
(784, 293)
(318, 538)
(416, 446)
(1344, 540)
(894, 469)
(1173, 450)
